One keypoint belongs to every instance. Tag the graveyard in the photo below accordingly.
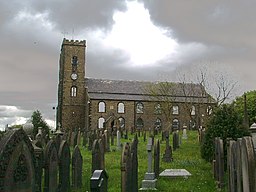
(59, 158)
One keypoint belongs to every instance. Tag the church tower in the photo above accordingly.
(71, 88)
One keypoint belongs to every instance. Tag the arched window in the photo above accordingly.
(121, 122)
(158, 109)
(175, 124)
(101, 122)
(139, 107)
(209, 110)
(73, 91)
(120, 107)
(102, 107)
(158, 124)
(74, 60)
(175, 110)
(193, 110)
(139, 123)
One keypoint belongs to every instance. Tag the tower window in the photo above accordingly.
(73, 91)
(102, 107)
(74, 60)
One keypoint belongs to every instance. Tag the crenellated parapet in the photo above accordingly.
(73, 42)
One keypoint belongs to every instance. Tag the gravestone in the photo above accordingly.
(107, 141)
(184, 133)
(98, 162)
(157, 158)
(134, 162)
(248, 164)
(118, 140)
(78, 138)
(149, 182)
(231, 165)
(72, 139)
(167, 157)
(144, 136)
(64, 166)
(219, 157)
(239, 165)
(18, 162)
(77, 168)
(85, 139)
(112, 139)
(99, 181)
(39, 154)
(126, 169)
(174, 141)
(51, 167)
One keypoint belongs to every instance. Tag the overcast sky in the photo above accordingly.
(132, 40)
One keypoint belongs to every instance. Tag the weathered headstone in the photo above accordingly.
(64, 166)
(231, 165)
(112, 139)
(85, 139)
(134, 160)
(126, 169)
(239, 165)
(39, 154)
(78, 138)
(98, 162)
(107, 141)
(219, 157)
(248, 164)
(51, 167)
(184, 133)
(17, 159)
(77, 167)
(99, 181)
(157, 158)
(118, 140)
(167, 157)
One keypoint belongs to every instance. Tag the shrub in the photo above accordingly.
(224, 123)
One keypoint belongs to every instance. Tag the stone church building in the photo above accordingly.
(87, 103)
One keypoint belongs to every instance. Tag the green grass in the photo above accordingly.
(186, 157)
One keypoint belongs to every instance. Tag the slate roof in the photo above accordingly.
(104, 89)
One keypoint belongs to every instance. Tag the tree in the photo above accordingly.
(224, 123)
(164, 93)
(38, 121)
(251, 105)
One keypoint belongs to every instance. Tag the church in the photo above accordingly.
(87, 103)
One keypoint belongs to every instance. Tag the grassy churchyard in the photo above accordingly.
(186, 157)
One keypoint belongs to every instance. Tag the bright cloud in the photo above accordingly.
(134, 32)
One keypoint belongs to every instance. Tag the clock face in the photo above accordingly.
(73, 76)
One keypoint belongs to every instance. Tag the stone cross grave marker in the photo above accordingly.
(149, 182)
